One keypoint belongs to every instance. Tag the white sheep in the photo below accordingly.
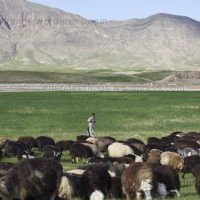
(117, 149)
(172, 159)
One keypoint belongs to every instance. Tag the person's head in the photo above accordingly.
(93, 114)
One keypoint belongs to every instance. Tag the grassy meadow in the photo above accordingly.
(63, 115)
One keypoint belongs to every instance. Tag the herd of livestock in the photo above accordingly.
(112, 169)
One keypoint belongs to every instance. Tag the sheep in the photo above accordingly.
(69, 187)
(117, 149)
(5, 167)
(135, 149)
(91, 140)
(42, 141)
(95, 150)
(190, 163)
(196, 174)
(159, 147)
(110, 138)
(65, 189)
(136, 158)
(16, 148)
(169, 177)
(137, 178)
(171, 149)
(191, 138)
(95, 178)
(50, 151)
(193, 134)
(153, 140)
(187, 151)
(81, 138)
(156, 150)
(137, 144)
(172, 159)
(170, 139)
(134, 140)
(103, 143)
(176, 134)
(182, 143)
(30, 141)
(115, 191)
(78, 150)
(153, 157)
(114, 169)
(64, 145)
(80, 171)
(37, 178)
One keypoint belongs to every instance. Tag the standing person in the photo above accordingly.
(91, 121)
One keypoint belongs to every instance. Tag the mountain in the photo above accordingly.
(161, 41)
(34, 37)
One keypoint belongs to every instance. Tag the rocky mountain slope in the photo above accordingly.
(34, 37)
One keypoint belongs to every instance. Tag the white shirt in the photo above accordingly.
(91, 120)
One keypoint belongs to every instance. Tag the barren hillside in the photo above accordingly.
(34, 37)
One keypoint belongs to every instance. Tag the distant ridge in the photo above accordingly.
(34, 37)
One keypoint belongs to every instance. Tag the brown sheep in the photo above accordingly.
(103, 143)
(167, 177)
(186, 142)
(42, 141)
(82, 138)
(64, 145)
(137, 178)
(37, 178)
(30, 141)
(196, 174)
(172, 159)
(153, 157)
(138, 144)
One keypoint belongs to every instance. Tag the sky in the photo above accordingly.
(125, 9)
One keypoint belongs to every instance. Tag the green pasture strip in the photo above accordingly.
(63, 115)
(92, 76)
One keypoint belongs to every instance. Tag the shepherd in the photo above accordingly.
(91, 121)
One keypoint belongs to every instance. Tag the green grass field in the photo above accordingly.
(63, 115)
(122, 115)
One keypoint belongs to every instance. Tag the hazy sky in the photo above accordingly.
(125, 9)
